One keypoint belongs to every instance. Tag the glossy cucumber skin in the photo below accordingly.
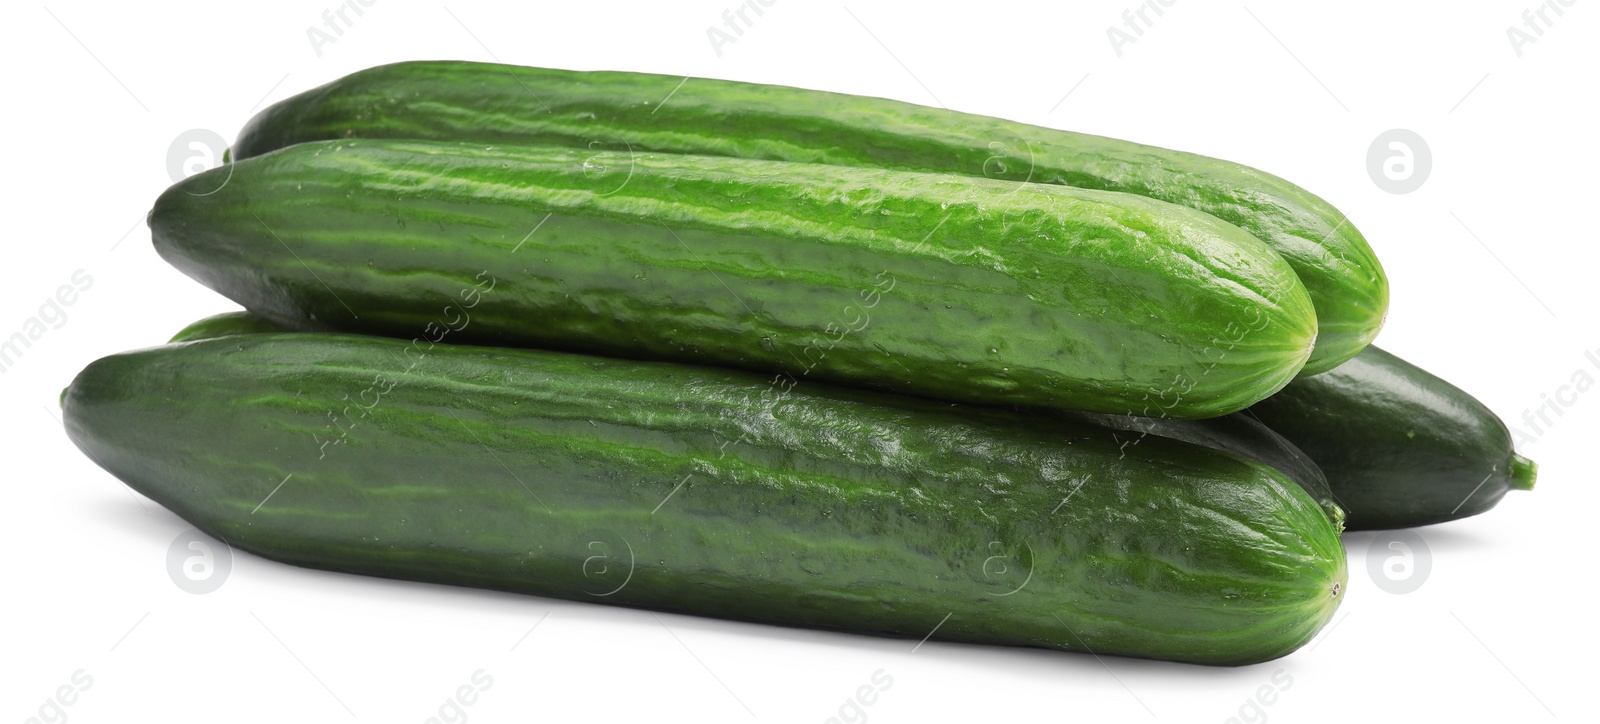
(487, 103)
(1237, 434)
(936, 285)
(713, 492)
(1400, 447)
(227, 324)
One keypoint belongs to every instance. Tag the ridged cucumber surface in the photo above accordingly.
(929, 284)
(1400, 447)
(1237, 434)
(494, 104)
(713, 492)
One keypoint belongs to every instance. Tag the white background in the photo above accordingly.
(1492, 261)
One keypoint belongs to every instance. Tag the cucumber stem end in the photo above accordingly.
(1523, 472)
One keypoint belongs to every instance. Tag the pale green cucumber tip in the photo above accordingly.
(1523, 472)
(1336, 514)
(1308, 357)
(62, 400)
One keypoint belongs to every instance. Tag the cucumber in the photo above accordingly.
(227, 324)
(1400, 447)
(494, 104)
(936, 285)
(713, 492)
(1237, 434)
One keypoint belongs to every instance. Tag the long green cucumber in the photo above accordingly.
(936, 285)
(1400, 447)
(485, 103)
(1237, 434)
(714, 492)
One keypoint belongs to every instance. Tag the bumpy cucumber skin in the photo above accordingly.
(713, 492)
(488, 103)
(1237, 434)
(930, 284)
(1400, 447)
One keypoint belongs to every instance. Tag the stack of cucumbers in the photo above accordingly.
(784, 356)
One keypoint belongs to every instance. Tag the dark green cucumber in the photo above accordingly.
(1400, 447)
(227, 324)
(715, 492)
(1237, 434)
(491, 104)
(936, 285)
